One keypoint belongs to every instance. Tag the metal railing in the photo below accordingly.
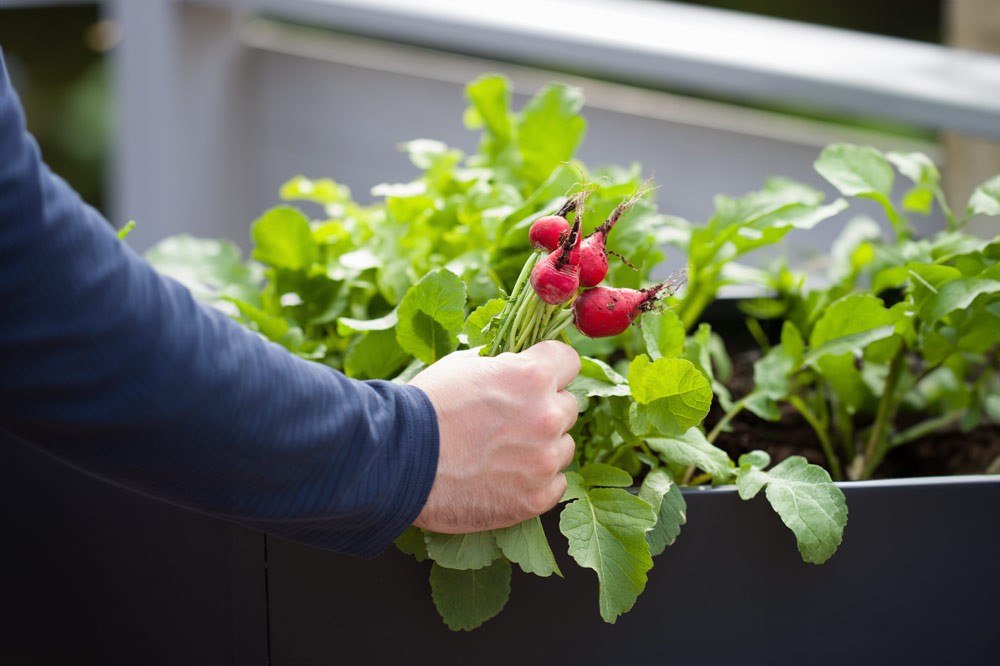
(673, 46)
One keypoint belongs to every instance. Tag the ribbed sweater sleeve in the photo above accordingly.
(116, 370)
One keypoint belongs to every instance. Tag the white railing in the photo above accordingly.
(667, 45)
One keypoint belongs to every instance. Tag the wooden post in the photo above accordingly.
(970, 160)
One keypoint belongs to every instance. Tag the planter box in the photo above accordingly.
(915, 582)
(94, 574)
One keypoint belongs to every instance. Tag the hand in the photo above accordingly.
(503, 425)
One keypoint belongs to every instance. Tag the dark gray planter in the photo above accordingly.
(916, 581)
(94, 574)
(98, 575)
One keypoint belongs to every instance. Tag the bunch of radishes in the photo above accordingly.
(565, 264)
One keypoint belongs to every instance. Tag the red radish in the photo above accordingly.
(557, 277)
(546, 232)
(593, 251)
(602, 312)
(593, 258)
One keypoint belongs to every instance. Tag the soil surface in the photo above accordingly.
(946, 453)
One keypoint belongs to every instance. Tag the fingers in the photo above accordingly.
(567, 450)
(561, 361)
(569, 406)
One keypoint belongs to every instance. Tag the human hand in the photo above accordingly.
(503, 425)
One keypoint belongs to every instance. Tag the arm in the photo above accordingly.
(115, 370)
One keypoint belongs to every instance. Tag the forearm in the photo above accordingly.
(114, 369)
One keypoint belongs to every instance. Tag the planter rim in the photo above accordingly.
(905, 482)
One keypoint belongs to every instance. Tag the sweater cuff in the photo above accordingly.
(416, 420)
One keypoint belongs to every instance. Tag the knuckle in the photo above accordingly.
(551, 421)
(540, 501)
(533, 371)
(549, 462)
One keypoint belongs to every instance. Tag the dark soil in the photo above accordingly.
(944, 454)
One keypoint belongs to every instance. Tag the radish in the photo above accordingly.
(602, 312)
(593, 250)
(556, 277)
(546, 232)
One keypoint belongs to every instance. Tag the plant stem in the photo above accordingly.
(525, 335)
(845, 428)
(737, 407)
(925, 428)
(757, 333)
(821, 433)
(514, 302)
(700, 479)
(878, 443)
(694, 303)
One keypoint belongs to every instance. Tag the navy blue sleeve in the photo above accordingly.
(114, 369)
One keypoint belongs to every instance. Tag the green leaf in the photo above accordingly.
(411, 542)
(851, 325)
(779, 194)
(212, 270)
(480, 320)
(852, 343)
(490, 98)
(599, 474)
(707, 351)
(858, 171)
(807, 501)
(692, 448)
(347, 325)
(606, 529)
(431, 315)
(852, 249)
(526, 545)
(465, 599)
(549, 129)
(985, 200)
(660, 492)
(772, 373)
(663, 333)
(597, 379)
(322, 191)
(671, 395)
(926, 178)
(754, 460)
(272, 327)
(377, 355)
(770, 229)
(462, 551)
(283, 239)
(956, 295)
(856, 313)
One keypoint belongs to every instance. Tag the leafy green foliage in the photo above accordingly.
(901, 339)
(671, 396)
(431, 315)
(810, 506)
(660, 492)
(462, 551)
(526, 545)
(606, 530)
(854, 367)
(466, 598)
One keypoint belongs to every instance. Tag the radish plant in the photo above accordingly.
(904, 338)
(500, 249)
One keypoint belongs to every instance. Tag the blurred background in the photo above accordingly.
(188, 115)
